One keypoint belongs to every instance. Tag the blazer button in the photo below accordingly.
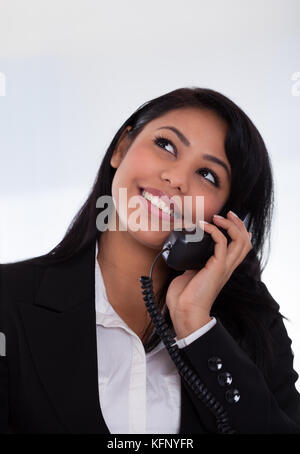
(224, 379)
(215, 363)
(232, 395)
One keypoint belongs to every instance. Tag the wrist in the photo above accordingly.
(188, 327)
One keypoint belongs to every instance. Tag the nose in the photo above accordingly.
(176, 180)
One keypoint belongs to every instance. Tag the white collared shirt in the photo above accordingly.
(139, 392)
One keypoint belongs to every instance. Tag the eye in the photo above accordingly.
(162, 141)
(216, 180)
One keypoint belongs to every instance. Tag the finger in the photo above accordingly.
(230, 226)
(238, 245)
(238, 222)
(220, 247)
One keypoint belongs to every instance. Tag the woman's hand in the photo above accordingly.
(191, 295)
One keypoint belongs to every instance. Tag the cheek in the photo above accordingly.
(138, 159)
(128, 170)
(141, 155)
(142, 165)
(209, 203)
(211, 207)
(136, 168)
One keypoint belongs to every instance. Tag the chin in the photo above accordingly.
(153, 240)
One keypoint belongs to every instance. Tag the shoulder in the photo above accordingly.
(247, 305)
(267, 312)
(254, 318)
(24, 281)
(18, 279)
(271, 311)
(268, 323)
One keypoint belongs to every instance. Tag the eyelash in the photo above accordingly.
(160, 138)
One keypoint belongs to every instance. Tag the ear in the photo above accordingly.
(120, 149)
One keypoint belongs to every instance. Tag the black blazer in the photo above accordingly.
(49, 376)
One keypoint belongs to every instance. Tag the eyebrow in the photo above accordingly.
(186, 142)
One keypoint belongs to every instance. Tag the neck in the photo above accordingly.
(127, 259)
(123, 260)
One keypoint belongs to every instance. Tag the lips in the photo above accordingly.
(156, 192)
(165, 198)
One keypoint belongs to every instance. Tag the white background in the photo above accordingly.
(75, 70)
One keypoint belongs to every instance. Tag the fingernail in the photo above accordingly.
(218, 216)
(233, 214)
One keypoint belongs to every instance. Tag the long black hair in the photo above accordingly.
(244, 299)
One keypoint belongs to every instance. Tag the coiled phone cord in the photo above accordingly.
(189, 376)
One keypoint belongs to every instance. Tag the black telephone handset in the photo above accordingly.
(182, 254)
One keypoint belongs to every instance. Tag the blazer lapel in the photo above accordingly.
(61, 331)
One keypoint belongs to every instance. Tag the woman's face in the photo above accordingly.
(191, 162)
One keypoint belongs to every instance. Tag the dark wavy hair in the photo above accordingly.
(244, 300)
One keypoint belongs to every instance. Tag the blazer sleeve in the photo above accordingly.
(261, 406)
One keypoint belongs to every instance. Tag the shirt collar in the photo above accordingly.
(103, 306)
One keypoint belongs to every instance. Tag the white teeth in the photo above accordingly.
(157, 202)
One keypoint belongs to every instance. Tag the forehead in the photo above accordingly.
(190, 117)
(202, 127)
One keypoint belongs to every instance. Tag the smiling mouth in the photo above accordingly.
(176, 214)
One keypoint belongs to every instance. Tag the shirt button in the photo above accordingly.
(224, 379)
(232, 395)
(215, 363)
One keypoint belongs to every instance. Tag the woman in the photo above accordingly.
(81, 352)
